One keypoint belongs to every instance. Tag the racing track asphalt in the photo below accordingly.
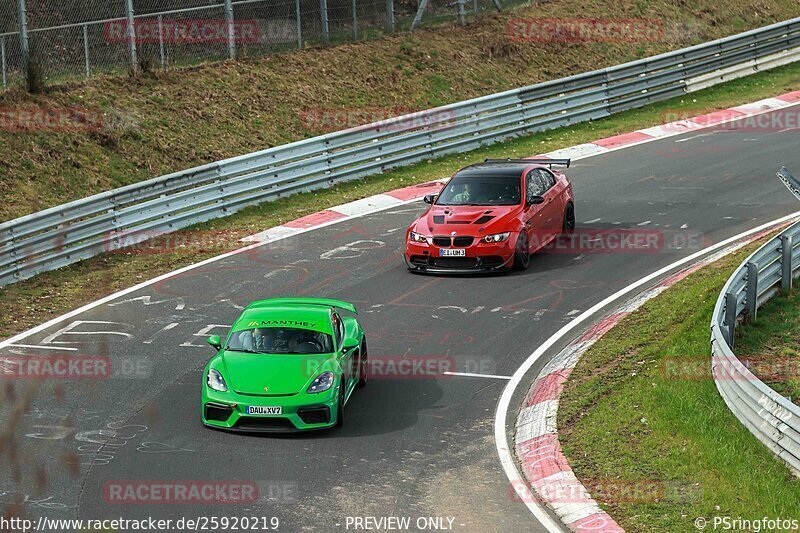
(411, 447)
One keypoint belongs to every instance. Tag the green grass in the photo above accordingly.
(625, 416)
(33, 301)
(772, 344)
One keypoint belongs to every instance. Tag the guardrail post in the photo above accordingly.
(299, 24)
(462, 20)
(130, 32)
(323, 20)
(390, 16)
(423, 5)
(231, 34)
(752, 291)
(86, 50)
(786, 263)
(730, 318)
(3, 57)
(24, 49)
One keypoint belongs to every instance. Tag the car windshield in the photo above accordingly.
(280, 341)
(481, 190)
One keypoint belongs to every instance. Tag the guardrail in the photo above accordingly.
(77, 230)
(773, 419)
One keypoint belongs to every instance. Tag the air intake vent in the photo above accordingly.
(438, 219)
(484, 219)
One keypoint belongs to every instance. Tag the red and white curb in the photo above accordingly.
(548, 478)
(398, 197)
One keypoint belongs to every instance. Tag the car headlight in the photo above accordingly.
(497, 237)
(215, 381)
(322, 383)
(416, 237)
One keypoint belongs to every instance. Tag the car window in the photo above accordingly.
(548, 178)
(337, 329)
(481, 190)
(535, 184)
(280, 341)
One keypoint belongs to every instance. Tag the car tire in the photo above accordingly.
(340, 404)
(363, 362)
(522, 256)
(568, 226)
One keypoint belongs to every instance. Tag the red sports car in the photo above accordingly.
(491, 216)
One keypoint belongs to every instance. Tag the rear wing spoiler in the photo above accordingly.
(325, 302)
(533, 161)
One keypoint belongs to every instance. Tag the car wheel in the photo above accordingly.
(364, 364)
(340, 406)
(568, 227)
(522, 256)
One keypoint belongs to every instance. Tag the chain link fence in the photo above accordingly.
(51, 42)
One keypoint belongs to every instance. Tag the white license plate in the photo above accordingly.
(260, 410)
(452, 252)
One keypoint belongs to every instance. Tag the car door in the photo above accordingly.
(552, 208)
(533, 215)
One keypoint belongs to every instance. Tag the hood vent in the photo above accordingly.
(484, 219)
(438, 219)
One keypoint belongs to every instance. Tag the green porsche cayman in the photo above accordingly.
(287, 364)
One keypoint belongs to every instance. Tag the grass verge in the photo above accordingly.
(165, 121)
(668, 437)
(34, 301)
(771, 344)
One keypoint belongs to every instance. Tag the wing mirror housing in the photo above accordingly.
(535, 200)
(215, 341)
(349, 344)
(429, 198)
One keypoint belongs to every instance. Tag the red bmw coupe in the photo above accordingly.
(492, 216)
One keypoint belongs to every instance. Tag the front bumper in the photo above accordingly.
(479, 257)
(299, 412)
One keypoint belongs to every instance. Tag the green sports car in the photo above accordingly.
(287, 364)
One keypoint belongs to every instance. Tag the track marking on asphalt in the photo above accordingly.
(593, 220)
(39, 346)
(473, 375)
(500, 432)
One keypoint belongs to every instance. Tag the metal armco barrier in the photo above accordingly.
(773, 419)
(77, 230)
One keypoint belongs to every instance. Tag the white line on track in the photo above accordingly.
(40, 347)
(500, 433)
(471, 375)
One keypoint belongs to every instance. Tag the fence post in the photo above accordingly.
(423, 4)
(161, 42)
(730, 317)
(786, 263)
(131, 34)
(460, 12)
(752, 291)
(3, 55)
(299, 24)
(86, 50)
(390, 16)
(355, 22)
(323, 20)
(497, 5)
(230, 30)
(24, 49)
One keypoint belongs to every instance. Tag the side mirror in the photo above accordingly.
(215, 341)
(350, 344)
(535, 200)
(429, 198)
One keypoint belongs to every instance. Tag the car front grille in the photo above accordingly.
(315, 415)
(462, 242)
(442, 241)
(218, 412)
(264, 424)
